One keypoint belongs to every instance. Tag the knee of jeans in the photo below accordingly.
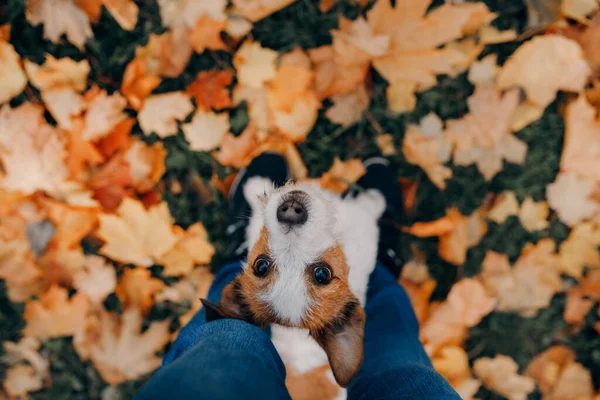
(392, 299)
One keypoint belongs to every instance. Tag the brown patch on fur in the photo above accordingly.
(311, 385)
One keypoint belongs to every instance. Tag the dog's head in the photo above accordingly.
(297, 273)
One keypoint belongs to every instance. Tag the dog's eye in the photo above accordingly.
(261, 266)
(322, 274)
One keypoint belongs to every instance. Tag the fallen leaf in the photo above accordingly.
(110, 182)
(117, 139)
(237, 27)
(103, 114)
(207, 35)
(348, 108)
(125, 12)
(210, 89)
(569, 195)
(255, 10)
(136, 235)
(425, 145)
(590, 285)
(589, 39)
(206, 130)
(467, 232)
(466, 304)
(236, 151)
(484, 72)
(60, 17)
(139, 80)
(505, 205)
(192, 248)
(137, 288)
(12, 77)
(72, 224)
(385, 143)
(419, 295)
(187, 12)
(63, 104)
(20, 380)
(341, 175)
(121, 351)
(401, 96)
(534, 216)
(452, 362)
(81, 151)
(334, 74)
(58, 73)
(255, 65)
(55, 315)
(360, 36)
(297, 58)
(468, 388)
(93, 8)
(543, 66)
(97, 280)
(491, 35)
(26, 350)
(500, 374)
(167, 54)
(146, 164)
(438, 227)
(580, 249)
(577, 307)
(161, 111)
(483, 136)
(526, 113)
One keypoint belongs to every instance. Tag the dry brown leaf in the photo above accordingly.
(20, 380)
(466, 305)
(534, 216)
(137, 288)
(160, 113)
(581, 149)
(139, 80)
(438, 227)
(12, 77)
(103, 113)
(426, 146)
(72, 224)
(81, 151)
(136, 235)
(466, 233)
(483, 136)
(206, 130)
(210, 89)
(570, 196)
(452, 362)
(484, 72)
(207, 35)
(334, 74)
(255, 65)
(545, 65)
(97, 280)
(187, 12)
(491, 35)
(193, 247)
(255, 10)
(580, 250)
(385, 143)
(505, 205)
(419, 295)
(55, 315)
(348, 108)
(125, 12)
(401, 96)
(577, 307)
(56, 73)
(236, 151)
(342, 174)
(500, 374)
(120, 352)
(110, 182)
(60, 17)
(146, 164)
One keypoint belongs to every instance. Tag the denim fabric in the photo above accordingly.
(230, 359)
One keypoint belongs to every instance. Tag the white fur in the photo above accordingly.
(351, 222)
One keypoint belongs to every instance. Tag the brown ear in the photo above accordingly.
(231, 305)
(213, 312)
(343, 343)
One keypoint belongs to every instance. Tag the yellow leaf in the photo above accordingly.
(255, 65)
(97, 280)
(146, 164)
(385, 143)
(255, 10)
(12, 77)
(438, 227)
(580, 250)
(348, 108)
(500, 374)
(484, 72)
(335, 74)
(136, 235)
(187, 12)
(192, 248)
(160, 113)
(207, 35)
(359, 35)
(137, 288)
(491, 35)
(206, 130)
(504, 206)
(341, 174)
(534, 216)
(467, 232)
(58, 73)
(543, 66)
(401, 96)
(452, 362)
(60, 17)
(20, 380)
(237, 27)
(55, 315)
(419, 295)
(526, 113)
(570, 197)
(125, 12)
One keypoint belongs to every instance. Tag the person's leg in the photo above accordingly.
(395, 364)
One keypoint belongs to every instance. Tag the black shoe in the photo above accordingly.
(268, 165)
(381, 177)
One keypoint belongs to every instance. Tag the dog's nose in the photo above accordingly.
(293, 211)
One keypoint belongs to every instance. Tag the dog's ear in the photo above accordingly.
(213, 312)
(231, 305)
(343, 342)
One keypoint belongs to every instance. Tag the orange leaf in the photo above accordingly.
(342, 174)
(236, 151)
(409, 194)
(438, 227)
(81, 151)
(577, 307)
(138, 82)
(117, 139)
(72, 224)
(207, 35)
(93, 8)
(110, 182)
(146, 164)
(210, 89)
(467, 232)
(501, 374)
(136, 288)
(191, 249)
(419, 296)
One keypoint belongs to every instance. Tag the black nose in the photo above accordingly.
(293, 210)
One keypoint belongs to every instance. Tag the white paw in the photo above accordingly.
(255, 189)
(371, 201)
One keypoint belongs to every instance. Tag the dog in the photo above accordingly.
(311, 254)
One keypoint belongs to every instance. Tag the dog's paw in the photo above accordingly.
(256, 190)
(372, 202)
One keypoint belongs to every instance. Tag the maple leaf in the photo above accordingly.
(187, 12)
(255, 10)
(136, 235)
(146, 164)
(569, 195)
(206, 130)
(534, 215)
(55, 315)
(237, 151)
(425, 145)
(137, 288)
(20, 380)
(31, 151)
(341, 174)
(452, 362)
(97, 279)
(19, 270)
(117, 139)
(72, 223)
(500, 374)
(505, 205)
(484, 72)
(12, 77)
(577, 307)
(81, 151)
(419, 295)
(60, 17)
(139, 80)
(348, 108)
(210, 89)
(544, 65)
(26, 350)
(63, 103)
(103, 113)
(415, 38)
(467, 231)
(334, 73)
(207, 35)
(120, 352)
(160, 112)
(358, 37)
(125, 12)
(401, 96)
(58, 73)
(385, 143)
(466, 304)
(110, 182)
(192, 248)
(483, 136)
(255, 65)
(580, 249)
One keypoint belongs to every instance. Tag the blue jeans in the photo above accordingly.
(232, 359)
